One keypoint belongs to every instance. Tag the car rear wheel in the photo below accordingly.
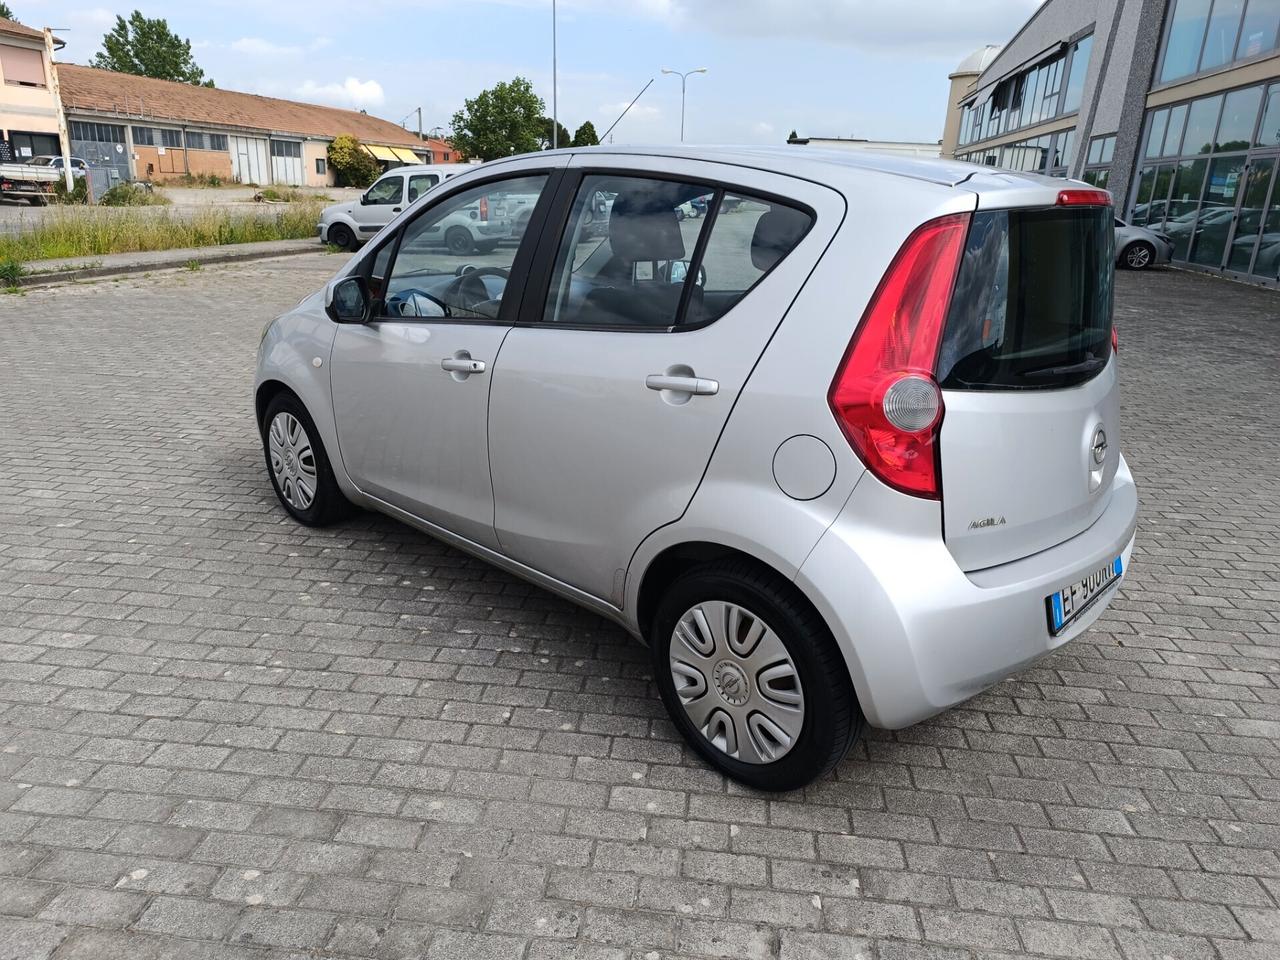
(459, 241)
(298, 465)
(1138, 255)
(752, 676)
(340, 235)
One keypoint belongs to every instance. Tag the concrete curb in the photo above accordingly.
(179, 259)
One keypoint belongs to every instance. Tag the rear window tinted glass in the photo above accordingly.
(1033, 300)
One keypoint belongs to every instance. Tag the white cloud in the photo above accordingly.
(359, 94)
(938, 27)
(257, 47)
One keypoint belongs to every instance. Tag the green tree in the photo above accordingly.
(148, 48)
(501, 121)
(6, 12)
(351, 163)
(544, 135)
(586, 136)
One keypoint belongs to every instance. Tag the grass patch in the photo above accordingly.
(199, 180)
(95, 231)
(132, 195)
(292, 195)
(11, 271)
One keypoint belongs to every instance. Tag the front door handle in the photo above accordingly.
(697, 386)
(395, 209)
(462, 365)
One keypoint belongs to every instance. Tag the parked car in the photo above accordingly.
(349, 224)
(78, 167)
(1138, 248)
(833, 469)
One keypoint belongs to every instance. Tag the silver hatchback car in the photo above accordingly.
(843, 451)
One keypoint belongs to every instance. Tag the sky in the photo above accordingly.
(874, 69)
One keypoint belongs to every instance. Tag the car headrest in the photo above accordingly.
(777, 231)
(644, 228)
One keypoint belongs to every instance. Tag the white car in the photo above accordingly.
(348, 225)
(847, 455)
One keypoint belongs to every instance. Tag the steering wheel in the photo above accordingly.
(469, 289)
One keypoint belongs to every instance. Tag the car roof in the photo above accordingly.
(806, 160)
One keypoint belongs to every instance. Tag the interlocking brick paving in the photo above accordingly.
(223, 735)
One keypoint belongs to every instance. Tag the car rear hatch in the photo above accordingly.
(1029, 441)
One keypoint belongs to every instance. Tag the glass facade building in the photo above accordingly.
(1175, 109)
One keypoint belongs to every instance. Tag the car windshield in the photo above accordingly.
(41, 161)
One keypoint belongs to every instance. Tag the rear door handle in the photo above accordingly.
(462, 365)
(698, 386)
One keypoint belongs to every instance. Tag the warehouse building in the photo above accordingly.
(146, 129)
(1172, 105)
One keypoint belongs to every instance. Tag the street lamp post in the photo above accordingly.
(683, 79)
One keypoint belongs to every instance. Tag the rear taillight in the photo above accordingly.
(484, 208)
(1084, 197)
(885, 396)
(1115, 341)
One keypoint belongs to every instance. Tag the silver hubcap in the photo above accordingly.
(1139, 257)
(292, 460)
(736, 682)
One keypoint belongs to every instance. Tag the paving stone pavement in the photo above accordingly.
(226, 736)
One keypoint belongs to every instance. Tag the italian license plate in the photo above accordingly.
(1068, 603)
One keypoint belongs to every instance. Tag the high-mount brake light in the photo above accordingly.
(1083, 197)
(885, 395)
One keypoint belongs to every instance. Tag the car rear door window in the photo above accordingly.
(642, 253)
(420, 184)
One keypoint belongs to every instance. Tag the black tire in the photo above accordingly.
(1138, 255)
(459, 241)
(487, 247)
(832, 721)
(328, 504)
(341, 236)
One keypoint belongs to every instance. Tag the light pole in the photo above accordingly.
(683, 79)
(555, 113)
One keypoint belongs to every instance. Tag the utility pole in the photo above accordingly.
(555, 112)
(64, 140)
(419, 123)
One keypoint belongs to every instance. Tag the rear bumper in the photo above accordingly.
(918, 633)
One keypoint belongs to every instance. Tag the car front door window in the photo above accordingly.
(386, 191)
(429, 278)
(420, 184)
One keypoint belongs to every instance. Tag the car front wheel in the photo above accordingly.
(298, 465)
(1138, 255)
(752, 676)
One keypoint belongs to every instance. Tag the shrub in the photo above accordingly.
(132, 195)
(291, 195)
(197, 180)
(79, 192)
(352, 166)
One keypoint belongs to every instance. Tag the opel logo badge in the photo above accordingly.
(1099, 446)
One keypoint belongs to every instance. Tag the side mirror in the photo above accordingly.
(347, 300)
(364, 199)
(678, 270)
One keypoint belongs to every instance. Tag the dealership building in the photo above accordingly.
(1172, 105)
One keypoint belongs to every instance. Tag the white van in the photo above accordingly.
(350, 224)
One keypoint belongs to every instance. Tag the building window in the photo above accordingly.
(197, 141)
(1203, 35)
(144, 137)
(321, 166)
(217, 141)
(1050, 89)
(22, 66)
(446, 156)
(97, 132)
(171, 138)
(1101, 150)
(286, 148)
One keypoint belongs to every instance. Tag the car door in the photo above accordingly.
(411, 386)
(379, 205)
(610, 395)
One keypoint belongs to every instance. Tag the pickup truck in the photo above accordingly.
(34, 180)
(26, 181)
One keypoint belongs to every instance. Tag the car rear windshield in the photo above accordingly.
(1032, 303)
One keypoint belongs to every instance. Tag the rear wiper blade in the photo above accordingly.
(1084, 366)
